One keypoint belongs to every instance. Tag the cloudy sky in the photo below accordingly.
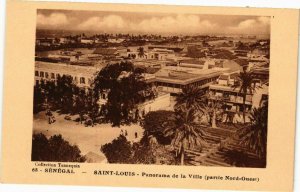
(156, 23)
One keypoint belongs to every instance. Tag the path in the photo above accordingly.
(88, 139)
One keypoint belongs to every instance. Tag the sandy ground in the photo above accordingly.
(88, 139)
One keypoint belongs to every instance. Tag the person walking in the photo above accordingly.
(49, 115)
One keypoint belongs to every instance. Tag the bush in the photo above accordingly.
(121, 151)
(156, 122)
(143, 154)
(54, 149)
(118, 151)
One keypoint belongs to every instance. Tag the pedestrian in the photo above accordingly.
(53, 118)
(136, 134)
(49, 115)
(126, 133)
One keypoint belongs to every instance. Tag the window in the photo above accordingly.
(46, 75)
(52, 76)
(41, 74)
(82, 80)
(57, 75)
(36, 73)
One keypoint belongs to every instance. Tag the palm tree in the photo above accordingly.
(191, 96)
(255, 135)
(185, 134)
(141, 52)
(245, 84)
(212, 108)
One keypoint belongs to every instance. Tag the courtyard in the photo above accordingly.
(88, 139)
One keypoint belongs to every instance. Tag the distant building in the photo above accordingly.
(161, 54)
(115, 40)
(45, 41)
(64, 58)
(197, 63)
(64, 40)
(153, 54)
(261, 73)
(106, 51)
(82, 76)
(228, 78)
(233, 98)
(86, 41)
(173, 79)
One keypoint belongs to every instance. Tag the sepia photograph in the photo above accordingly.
(151, 88)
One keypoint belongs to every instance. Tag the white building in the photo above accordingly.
(87, 41)
(81, 75)
(233, 97)
(115, 40)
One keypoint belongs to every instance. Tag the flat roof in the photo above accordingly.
(264, 89)
(63, 68)
(184, 75)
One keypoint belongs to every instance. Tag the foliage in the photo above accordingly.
(245, 84)
(121, 151)
(192, 96)
(126, 88)
(57, 95)
(38, 99)
(213, 109)
(239, 158)
(141, 52)
(194, 52)
(153, 154)
(64, 92)
(118, 151)
(65, 96)
(155, 123)
(54, 149)
(86, 103)
(255, 135)
(185, 134)
(143, 154)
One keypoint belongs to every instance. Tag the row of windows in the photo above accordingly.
(169, 85)
(199, 83)
(205, 81)
(47, 75)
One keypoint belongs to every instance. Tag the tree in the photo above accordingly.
(118, 151)
(59, 94)
(194, 52)
(155, 123)
(64, 93)
(126, 88)
(54, 149)
(38, 98)
(91, 105)
(213, 108)
(192, 96)
(254, 136)
(185, 134)
(152, 154)
(245, 84)
(143, 154)
(141, 52)
(80, 104)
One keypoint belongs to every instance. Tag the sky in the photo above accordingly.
(151, 23)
